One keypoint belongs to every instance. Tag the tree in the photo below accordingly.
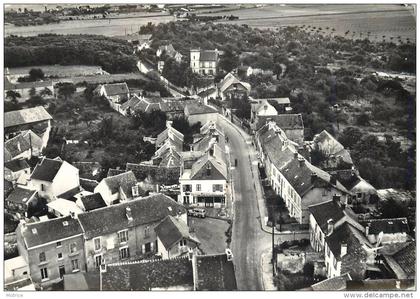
(88, 117)
(13, 95)
(32, 92)
(66, 90)
(350, 136)
(229, 61)
(35, 100)
(36, 74)
(363, 119)
(46, 92)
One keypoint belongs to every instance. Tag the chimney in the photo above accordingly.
(229, 255)
(313, 177)
(333, 179)
(343, 249)
(336, 199)
(168, 123)
(128, 214)
(72, 215)
(191, 148)
(301, 162)
(367, 229)
(190, 254)
(135, 190)
(19, 147)
(330, 227)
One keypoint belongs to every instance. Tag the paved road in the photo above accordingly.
(248, 240)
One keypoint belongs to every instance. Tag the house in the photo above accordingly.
(62, 207)
(169, 51)
(125, 231)
(348, 251)
(116, 94)
(36, 119)
(167, 156)
(145, 66)
(139, 41)
(361, 190)
(174, 239)
(231, 87)
(205, 183)
(262, 108)
(282, 104)
(195, 272)
(391, 230)
(19, 201)
(196, 112)
(15, 169)
(16, 271)
(53, 177)
(324, 218)
(172, 136)
(172, 107)
(35, 142)
(337, 283)
(333, 154)
(204, 62)
(24, 88)
(91, 202)
(402, 263)
(51, 248)
(118, 188)
(17, 148)
(291, 124)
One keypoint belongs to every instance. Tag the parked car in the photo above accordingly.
(196, 212)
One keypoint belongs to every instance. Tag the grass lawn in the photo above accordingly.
(211, 234)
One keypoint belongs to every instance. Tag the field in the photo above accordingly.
(60, 71)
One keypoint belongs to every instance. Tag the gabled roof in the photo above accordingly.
(326, 211)
(46, 170)
(147, 275)
(403, 263)
(338, 283)
(21, 195)
(16, 146)
(168, 158)
(116, 89)
(171, 134)
(125, 181)
(214, 273)
(25, 116)
(208, 168)
(93, 202)
(230, 79)
(144, 210)
(88, 185)
(16, 165)
(208, 55)
(262, 105)
(172, 230)
(284, 121)
(64, 207)
(325, 142)
(39, 233)
(387, 226)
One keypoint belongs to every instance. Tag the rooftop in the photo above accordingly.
(125, 181)
(21, 195)
(16, 165)
(337, 283)
(403, 262)
(46, 170)
(172, 230)
(150, 209)
(214, 273)
(208, 168)
(116, 89)
(93, 202)
(326, 211)
(387, 226)
(64, 207)
(16, 146)
(26, 116)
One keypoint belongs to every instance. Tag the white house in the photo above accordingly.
(118, 188)
(204, 62)
(53, 177)
(116, 94)
(262, 108)
(174, 239)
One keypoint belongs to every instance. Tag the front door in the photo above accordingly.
(62, 271)
(209, 202)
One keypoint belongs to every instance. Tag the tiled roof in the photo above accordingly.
(20, 195)
(263, 104)
(387, 226)
(144, 210)
(114, 172)
(325, 211)
(25, 116)
(93, 202)
(406, 259)
(39, 233)
(348, 178)
(208, 55)
(337, 283)
(214, 273)
(207, 164)
(168, 158)
(230, 79)
(144, 276)
(116, 89)
(171, 230)
(125, 181)
(131, 103)
(325, 142)
(46, 170)
(16, 165)
(88, 185)
(16, 145)
(88, 170)
(196, 108)
(289, 121)
(170, 133)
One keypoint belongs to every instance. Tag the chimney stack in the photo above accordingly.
(330, 227)
(168, 123)
(301, 162)
(336, 198)
(313, 177)
(343, 249)
(128, 214)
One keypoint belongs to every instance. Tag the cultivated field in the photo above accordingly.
(61, 71)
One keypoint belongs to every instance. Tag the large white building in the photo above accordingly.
(204, 62)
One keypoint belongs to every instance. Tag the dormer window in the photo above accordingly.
(135, 190)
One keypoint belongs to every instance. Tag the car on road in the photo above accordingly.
(196, 212)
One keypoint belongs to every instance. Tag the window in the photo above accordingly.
(58, 244)
(97, 242)
(217, 188)
(359, 195)
(75, 265)
(44, 273)
(183, 243)
(147, 231)
(42, 257)
(324, 192)
(123, 236)
(60, 256)
(73, 247)
(42, 187)
(186, 188)
(198, 187)
(98, 260)
(124, 253)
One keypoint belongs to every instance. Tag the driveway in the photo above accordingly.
(248, 239)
